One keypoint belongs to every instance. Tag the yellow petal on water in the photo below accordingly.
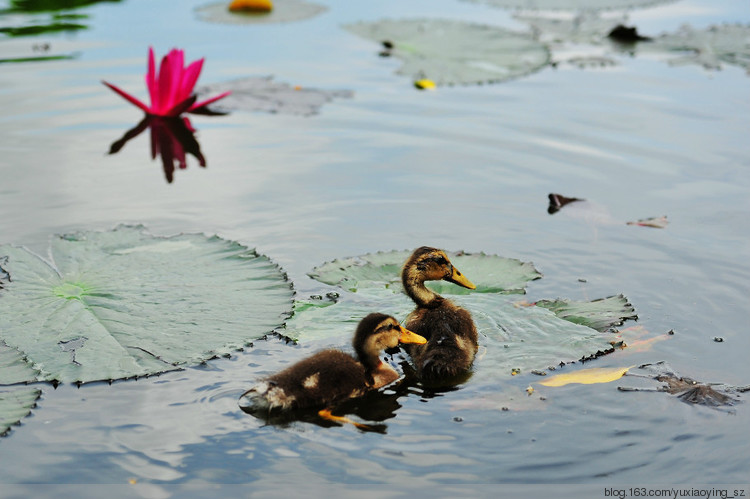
(425, 84)
(587, 376)
(251, 6)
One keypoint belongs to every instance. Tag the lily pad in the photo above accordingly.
(124, 303)
(710, 47)
(15, 405)
(284, 11)
(601, 314)
(13, 367)
(264, 94)
(523, 339)
(574, 5)
(490, 273)
(454, 52)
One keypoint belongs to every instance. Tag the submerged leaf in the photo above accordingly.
(490, 273)
(601, 314)
(454, 52)
(124, 303)
(264, 94)
(587, 376)
(16, 404)
(284, 11)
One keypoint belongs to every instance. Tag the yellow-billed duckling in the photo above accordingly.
(331, 376)
(449, 329)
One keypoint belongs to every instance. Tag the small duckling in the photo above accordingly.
(331, 376)
(449, 329)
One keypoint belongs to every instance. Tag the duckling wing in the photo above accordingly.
(325, 378)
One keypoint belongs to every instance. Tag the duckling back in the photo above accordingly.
(451, 341)
(321, 380)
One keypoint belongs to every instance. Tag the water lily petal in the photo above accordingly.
(189, 78)
(128, 97)
(200, 105)
(151, 77)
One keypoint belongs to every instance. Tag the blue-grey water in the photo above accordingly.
(465, 167)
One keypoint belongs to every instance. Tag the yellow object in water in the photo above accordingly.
(587, 376)
(251, 6)
(425, 84)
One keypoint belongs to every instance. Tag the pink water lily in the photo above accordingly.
(171, 90)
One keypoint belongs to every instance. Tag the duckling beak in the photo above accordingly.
(409, 337)
(457, 277)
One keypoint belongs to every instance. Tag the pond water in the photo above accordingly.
(465, 167)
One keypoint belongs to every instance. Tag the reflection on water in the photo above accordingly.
(38, 17)
(172, 139)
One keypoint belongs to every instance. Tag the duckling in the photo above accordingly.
(331, 376)
(449, 329)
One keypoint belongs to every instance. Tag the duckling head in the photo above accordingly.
(429, 264)
(377, 332)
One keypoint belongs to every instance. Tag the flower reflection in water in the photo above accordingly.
(172, 138)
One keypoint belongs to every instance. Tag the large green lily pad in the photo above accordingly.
(16, 404)
(124, 303)
(456, 52)
(490, 273)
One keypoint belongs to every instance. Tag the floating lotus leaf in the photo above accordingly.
(710, 47)
(284, 11)
(455, 52)
(339, 320)
(264, 94)
(490, 273)
(124, 303)
(13, 367)
(574, 5)
(16, 404)
(601, 314)
(522, 339)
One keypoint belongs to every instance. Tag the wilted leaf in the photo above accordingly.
(599, 314)
(587, 376)
(490, 273)
(123, 303)
(455, 52)
(656, 222)
(557, 201)
(16, 404)
(687, 389)
(264, 94)
(284, 11)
